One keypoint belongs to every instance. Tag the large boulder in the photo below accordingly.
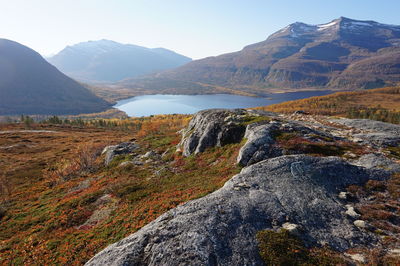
(261, 139)
(218, 127)
(214, 127)
(120, 149)
(220, 228)
(259, 144)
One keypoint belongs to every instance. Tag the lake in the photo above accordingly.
(188, 104)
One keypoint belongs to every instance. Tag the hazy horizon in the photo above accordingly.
(193, 29)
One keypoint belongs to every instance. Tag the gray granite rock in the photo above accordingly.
(261, 140)
(120, 149)
(372, 160)
(371, 125)
(259, 144)
(374, 132)
(220, 228)
(214, 127)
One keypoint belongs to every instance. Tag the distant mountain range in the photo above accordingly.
(342, 54)
(109, 61)
(30, 85)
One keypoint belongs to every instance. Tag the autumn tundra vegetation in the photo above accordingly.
(61, 205)
(377, 104)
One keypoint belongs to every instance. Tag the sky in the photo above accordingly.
(195, 28)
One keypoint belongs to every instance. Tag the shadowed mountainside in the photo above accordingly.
(30, 85)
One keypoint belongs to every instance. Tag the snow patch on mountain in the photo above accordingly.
(327, 26)
(299, 28)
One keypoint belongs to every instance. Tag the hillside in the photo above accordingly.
(378, 104)
(342, 54)
(109, 61)
(69, 189)
(30, 85)
(53, 180)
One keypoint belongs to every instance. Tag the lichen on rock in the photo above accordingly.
(220, 228)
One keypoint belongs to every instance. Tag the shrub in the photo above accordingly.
(282, 248)
(84, 162)
(2, 212)
(393, 186)
(5, 186)
(374, 185)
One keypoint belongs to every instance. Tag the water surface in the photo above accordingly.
(188, 104)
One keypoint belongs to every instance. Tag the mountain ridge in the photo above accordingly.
(299, 56)
(110, 61)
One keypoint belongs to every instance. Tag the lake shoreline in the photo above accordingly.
(155, 104)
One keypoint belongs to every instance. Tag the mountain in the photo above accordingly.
(30, 85)
(109, 61)
(342, 54)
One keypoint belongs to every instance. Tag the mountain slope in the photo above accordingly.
(343, 54)
(106, 60)
(378, 104)
(30, 85)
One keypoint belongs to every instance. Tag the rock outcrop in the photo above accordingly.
(261, 139)
(210, 128)
(374, 132)
(303, 194)
(259, 144)
(219, 127)
(220, 229)
(372, 160)
(120, 149)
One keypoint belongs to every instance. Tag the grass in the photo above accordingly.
(250, 119)
(394, 152)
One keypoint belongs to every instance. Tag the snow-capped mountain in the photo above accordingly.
(343, 54)
(342, 24)
(109, 61)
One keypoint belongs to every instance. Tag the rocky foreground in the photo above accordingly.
(296, 174)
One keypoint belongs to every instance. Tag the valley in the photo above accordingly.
(117, 151)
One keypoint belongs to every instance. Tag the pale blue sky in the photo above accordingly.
(196, 28)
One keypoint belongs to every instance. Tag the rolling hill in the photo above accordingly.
(342, 54)
(109, 61)
(30, 85)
